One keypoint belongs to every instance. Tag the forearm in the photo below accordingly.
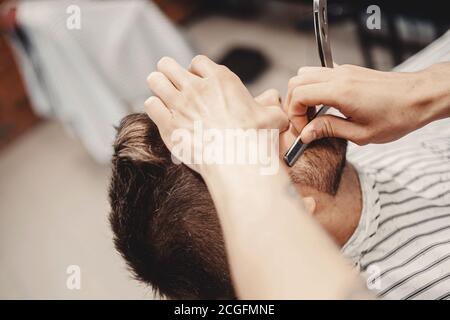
(275, 249)
(432, 99)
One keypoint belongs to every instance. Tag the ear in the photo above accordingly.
(310, 204)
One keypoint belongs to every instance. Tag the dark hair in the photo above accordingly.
(163, 218)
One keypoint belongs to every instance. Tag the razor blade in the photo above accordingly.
(326, 58)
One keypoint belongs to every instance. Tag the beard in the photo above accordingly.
(321, 165)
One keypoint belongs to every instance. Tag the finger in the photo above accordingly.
(298, 122)
(314, 95)
(202, 66)
(268, 98)
(306, 76)
(164, 89)
(329, 126)
(277, 118)
(298, 112)
(178, 75)
(158, 112)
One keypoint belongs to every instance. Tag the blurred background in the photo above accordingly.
(70, 70)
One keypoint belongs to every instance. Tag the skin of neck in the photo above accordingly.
(339, 215)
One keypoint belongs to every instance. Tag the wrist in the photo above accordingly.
(221, 174)
(432, 94)
(223, 179)
(251, 151)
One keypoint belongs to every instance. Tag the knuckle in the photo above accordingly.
(302, 70)
(163, 61)
(154, 77)
(223, 70)
(299, 80)
(327, 128)
(225, 74)
(199, 59)
(361, 142)
(346, 67)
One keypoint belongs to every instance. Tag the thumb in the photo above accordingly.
(329, 126)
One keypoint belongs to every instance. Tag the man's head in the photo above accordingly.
(164, 220)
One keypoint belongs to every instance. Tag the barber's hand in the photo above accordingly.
(209, 93)
(380, 106)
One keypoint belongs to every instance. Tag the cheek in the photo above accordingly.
(287, 138)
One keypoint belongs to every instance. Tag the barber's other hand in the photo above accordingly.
(209, 93)
(380, 106)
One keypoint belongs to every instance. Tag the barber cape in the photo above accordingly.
(91, 77)
(402, 243)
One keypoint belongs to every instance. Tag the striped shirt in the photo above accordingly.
(402, 243)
